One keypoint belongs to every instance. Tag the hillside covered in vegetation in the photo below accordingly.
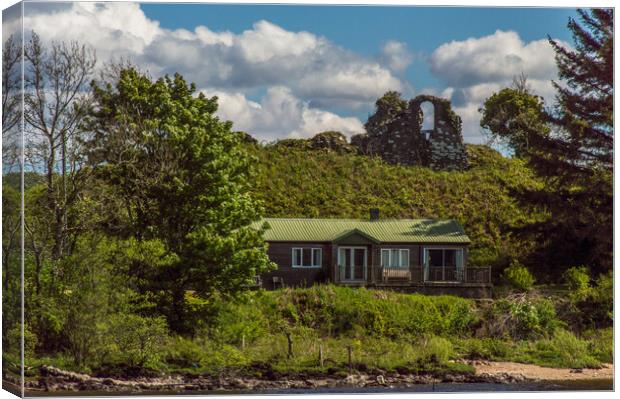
(296, 180)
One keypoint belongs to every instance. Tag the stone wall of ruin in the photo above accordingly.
(399, 139)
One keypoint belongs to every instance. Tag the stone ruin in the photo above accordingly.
(395, 133)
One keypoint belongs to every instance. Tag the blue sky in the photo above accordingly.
(293, 71)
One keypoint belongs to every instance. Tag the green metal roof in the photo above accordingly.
(382, 230)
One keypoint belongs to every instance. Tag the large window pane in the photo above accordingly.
(297, 257)
(450, 257)
(404, 258)
(385, 258)
(395, 258)
(316, 257)
(435, 257)
(307, 258)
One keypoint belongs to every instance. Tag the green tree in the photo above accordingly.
(570, 146)
(183, 179)
(513, 116)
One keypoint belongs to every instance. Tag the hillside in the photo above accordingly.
(297, 181)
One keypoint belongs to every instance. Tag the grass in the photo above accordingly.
(383, 331)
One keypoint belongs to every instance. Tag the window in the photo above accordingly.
(307, 257)
(438, 257)
(395, 257)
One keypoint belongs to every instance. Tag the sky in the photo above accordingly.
(293, 71)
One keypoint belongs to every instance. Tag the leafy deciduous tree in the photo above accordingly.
(183, 179)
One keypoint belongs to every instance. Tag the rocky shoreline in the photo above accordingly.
(53, 379)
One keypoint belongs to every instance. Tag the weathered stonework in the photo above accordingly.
(395, 133)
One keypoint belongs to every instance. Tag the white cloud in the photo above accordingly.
(113, 29)
(476, 68)
(494, 58)
(280, 114)
(264, 55)
(396, 55)
(302, 72)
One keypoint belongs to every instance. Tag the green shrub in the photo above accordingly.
(182, 352)
(240, 322)
(138, 341)
(14, 341)
(603, 296)
(589, 306)
(521, 317)
(435, 351)
(577, 280)
(483, 348)
(518, 277)
(564, 349)
(601, 344)
(222, 357)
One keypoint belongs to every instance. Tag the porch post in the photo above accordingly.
(335, 263)
(372, 263)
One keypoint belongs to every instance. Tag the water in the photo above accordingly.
(571, 385)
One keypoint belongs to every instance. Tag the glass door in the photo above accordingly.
(352, 263)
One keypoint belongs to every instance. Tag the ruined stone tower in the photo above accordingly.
(395, 133)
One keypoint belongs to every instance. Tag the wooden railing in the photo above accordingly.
(443, 273)
(478, 274)
(415, 274)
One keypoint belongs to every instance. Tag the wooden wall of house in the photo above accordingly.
(281, 253)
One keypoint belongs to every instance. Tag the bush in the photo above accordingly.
(521, 317)
(578, 282)
(589, 306)
(601, 344)
(435, 351)
(603, 295)
(483, 348)
(14, 340)
(182, 352)
(518, 277)
(138, 341)
(564, 349)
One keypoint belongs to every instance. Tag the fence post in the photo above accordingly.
(321, 355)
(290, 345)
(349, 349)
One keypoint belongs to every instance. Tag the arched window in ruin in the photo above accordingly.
(428, 118)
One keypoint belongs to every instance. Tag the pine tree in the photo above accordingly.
(569, 146)
(585, 96)
(576, 159)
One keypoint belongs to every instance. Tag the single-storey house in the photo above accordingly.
(424, 255)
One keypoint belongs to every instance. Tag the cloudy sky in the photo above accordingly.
(293, 71)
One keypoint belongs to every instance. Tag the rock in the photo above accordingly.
(380, 380)
(576, 370)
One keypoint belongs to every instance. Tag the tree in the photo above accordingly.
(513, 116)
(183, 179)
(585, 99)
(11, 103)
(569, 146)
(55, 102)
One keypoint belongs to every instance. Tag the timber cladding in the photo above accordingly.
(281, 253)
